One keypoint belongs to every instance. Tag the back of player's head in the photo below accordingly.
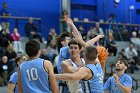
(64, 35)
(90, 53)
(62, 38)
(122, 60)
(32, 47)
(75, 42)
(20, 58)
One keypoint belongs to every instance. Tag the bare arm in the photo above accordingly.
(19, 81)
(123, 88)
(70, 23)
(81, 74)
(93, 40)
(11, 87)
(67, 68)
(78, 36)
(52, 79)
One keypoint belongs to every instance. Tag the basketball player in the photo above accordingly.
(62, 42)
(36, 75)
(92, 72)
(119, 82)
(73, 64)
(12, 85)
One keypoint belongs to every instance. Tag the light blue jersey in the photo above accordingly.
(14, 79)
(112, 87)
(95, 84)
(63, 55)
(34, 78)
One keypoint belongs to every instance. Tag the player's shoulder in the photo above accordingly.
(47, 62)
(66, 62)
(14, 74)
(128, 76)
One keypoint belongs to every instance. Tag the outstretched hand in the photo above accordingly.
(77, 35)
(93, 40)
(68, 20)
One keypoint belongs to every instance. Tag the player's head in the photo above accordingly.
(121, 64)
(20, 59)
(63, 39)
(90, 53)
(32, 48)
(74, 47)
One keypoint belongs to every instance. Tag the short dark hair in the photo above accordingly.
(61, 38)
(91, 53)
(122, 60)
(75, 42)
(64, 34)
(17, 59)
(32, 47)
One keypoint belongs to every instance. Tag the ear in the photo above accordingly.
(81, 49)
(84, 55)
(125, 67)
(39, 52)
(62, 42)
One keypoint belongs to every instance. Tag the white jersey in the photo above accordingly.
(75, 85)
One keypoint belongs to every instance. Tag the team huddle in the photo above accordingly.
(81, 67)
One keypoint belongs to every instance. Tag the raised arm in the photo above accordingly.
(78, 36)
(124, 89)
(68, 20)
(93, 40)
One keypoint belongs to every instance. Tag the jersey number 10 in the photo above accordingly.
(32, 74)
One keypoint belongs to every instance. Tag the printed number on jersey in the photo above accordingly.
(32, 74)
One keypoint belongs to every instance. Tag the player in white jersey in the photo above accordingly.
(72, 65)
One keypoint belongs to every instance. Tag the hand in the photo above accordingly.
(100, 36)
(116, 78)
(77, 35)
(68, 20)
(93, 40)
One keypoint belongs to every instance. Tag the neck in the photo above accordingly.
(91, 62)
(119, 73)
(32, 58)
(76, 59)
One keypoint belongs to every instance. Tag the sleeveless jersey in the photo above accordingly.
(34, 78)
(75, 85)
(95, 84)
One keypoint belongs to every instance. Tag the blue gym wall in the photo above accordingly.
(101, 9)
(84, 9)
(137, 6)
(122, 12)
(47, 10)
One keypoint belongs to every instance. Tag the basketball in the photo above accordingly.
(102, 54)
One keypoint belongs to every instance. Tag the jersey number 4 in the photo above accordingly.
(32, 74)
